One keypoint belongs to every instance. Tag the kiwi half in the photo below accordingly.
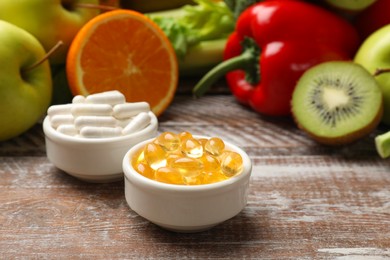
(337, 102)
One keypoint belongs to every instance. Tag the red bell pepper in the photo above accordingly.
(273, 44)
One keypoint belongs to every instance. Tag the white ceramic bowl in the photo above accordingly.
(183, 208)
(93, 160)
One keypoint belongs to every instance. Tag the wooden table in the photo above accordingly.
(306, 201)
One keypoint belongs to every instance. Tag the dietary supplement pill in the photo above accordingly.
(139, 122)
(130, 109)
(168, 141)
(67, 130)
(78, 99)
(57, 120)
(107, 121)
(113, 97)
(63, 109)
(97, 110)
(91, 110)
(185, 160)
(100, 132)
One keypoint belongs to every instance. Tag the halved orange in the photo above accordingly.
(123, 50)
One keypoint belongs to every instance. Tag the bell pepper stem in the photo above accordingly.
(247, 61)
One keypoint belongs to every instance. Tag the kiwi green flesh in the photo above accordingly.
(337, 102)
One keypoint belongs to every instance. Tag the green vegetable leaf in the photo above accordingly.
(177, 34)
(208, 20)
(192, 24)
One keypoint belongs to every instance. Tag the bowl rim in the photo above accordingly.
(131, 174)
(60, 137)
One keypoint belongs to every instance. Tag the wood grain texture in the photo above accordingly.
(306, 201)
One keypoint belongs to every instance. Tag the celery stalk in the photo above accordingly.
(173, 13)
(202, 57)
(198, 33)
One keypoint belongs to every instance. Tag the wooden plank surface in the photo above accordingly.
(306, 201)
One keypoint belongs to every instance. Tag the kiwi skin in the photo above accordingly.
(348, 138)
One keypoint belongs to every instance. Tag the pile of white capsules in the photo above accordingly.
(101, 115)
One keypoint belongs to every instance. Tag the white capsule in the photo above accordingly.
(100, 132)
(91, 110)
(130, 109)
(123, 122)
(138, 123)
(67, 130)
(82, 121)
(57, 120)
(59, 109)
(109, 97)
(79, 99)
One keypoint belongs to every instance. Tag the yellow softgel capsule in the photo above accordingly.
(197, 180)
(138, 157)
(169, 175)
(171, 157)
(231, 163)
(168, 141)
(144, 169)
(155, 156)
(210, 163)
(212, 177)
(192, 148)
(188, 167)
(215, 146)
(203, 142)
(185, 160)
(184, 135)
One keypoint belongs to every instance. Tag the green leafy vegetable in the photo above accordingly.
(192, 24)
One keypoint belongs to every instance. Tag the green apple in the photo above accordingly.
(25, 89)
(373, 54)
(49, 20)
(350, 5)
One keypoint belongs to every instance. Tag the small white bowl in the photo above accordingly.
(183, 208)
(93, 159)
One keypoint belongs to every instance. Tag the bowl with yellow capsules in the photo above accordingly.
(186, 183)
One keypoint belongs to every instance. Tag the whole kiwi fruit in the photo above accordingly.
(337, 102)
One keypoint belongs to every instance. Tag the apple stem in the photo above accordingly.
(381, 71)
(96, 6)
(47, 55)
